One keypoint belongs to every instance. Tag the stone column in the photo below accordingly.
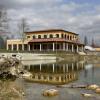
(12, 47)
(23, 47)
(53, 67)
(77, 48)
(53, 46)
(63, 46)
(82, 48)
(66, 46)
(40, 67)
(66, 67)
(17, 47)
(72, 48)
(7, 47)
(72, 66)
(28, 47)
(77, 65)
(63, 68)
(40, 46)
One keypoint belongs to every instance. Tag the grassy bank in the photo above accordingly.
(77, 57)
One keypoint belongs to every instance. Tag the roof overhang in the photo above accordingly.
(54, 40)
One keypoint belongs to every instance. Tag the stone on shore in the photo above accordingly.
(27, 75)
(92, 87)
(87, 95)
(97, 90)
(50, 92)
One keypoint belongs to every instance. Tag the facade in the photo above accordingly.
(47, 40)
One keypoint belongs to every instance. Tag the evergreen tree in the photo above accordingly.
(4, 29)
(85, 40)
(3, 21)
(2, 43)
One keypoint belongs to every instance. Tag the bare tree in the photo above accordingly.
(4, 26)
(23, 27)
(3, 21)
(85, 40)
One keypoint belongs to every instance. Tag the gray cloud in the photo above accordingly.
(41, 14)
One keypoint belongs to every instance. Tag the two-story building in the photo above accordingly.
(47, 40)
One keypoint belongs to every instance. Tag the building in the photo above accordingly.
(47, 40)
(97, 48)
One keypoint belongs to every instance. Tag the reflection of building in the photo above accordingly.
(47, 40)
(54, 73)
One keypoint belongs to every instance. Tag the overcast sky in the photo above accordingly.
(80, 16)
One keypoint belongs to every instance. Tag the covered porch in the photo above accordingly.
(55, 46)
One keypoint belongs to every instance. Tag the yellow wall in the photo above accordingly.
(97, 49)
(16, 41)
(74, 37)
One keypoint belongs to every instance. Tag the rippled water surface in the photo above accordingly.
(48, 76)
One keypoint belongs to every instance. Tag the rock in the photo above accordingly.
(92, 87)
(97, 90)
(27, 75)
(10, 90)
(87, 95)
(7, 76)
(50, 92)
(23, 93)
(12, 70)
(2, 60)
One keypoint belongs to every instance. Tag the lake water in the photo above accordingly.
(48, 76)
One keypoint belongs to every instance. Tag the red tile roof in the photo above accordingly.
(53, 40)
(49, 31)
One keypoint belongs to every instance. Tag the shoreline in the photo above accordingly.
(56, 57)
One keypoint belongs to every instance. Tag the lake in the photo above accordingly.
(48, 76)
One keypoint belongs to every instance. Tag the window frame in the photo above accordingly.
(33, 36)
(51, 36)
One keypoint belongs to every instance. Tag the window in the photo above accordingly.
(25, 46)
(51, 36)
(45, 36)
(20, 46)
(70, 37)
(39, 36)
(28, 37)
(65, 36)
(14, 46)
(33, 36)
(57, 35)
(62, 35)
(73, 37)
(9, 47)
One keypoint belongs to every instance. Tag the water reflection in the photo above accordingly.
(56, 73)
